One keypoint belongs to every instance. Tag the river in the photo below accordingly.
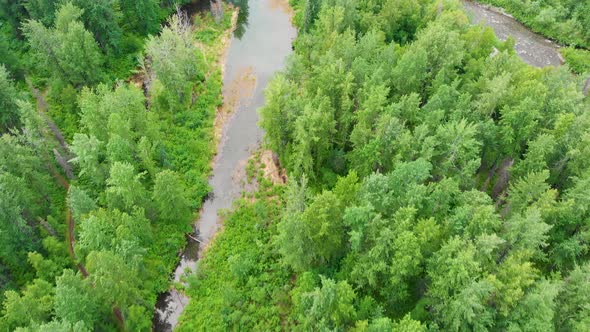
(258, 49)
(534, 49)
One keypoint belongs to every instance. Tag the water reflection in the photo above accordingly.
(242, 22)
(257, 50)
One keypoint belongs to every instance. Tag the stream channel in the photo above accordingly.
(259, 47)
(534, 49)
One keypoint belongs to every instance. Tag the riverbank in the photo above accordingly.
(532, 48)
(199, 149)
(573, 48)
(254, 56)
(546, 20)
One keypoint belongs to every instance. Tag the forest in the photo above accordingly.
(435, 183)
(106, 120)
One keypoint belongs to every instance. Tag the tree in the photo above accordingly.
(56, 326)
(573, 312)
(125, 190)
(67, 50)
(34, 305)
(170, 198)
(400, 18)
(310, 13)
(313, 137)
(42, 10)
(278, 114)
(106, 112)
(386, 254)
(79, 202)
(9, 112)
(457, 154)
(143, 15)
(175, 59)
(16, 235)
(102, 18)
(329, 307)
(88, 151)
(311, 235)
(75, 300)
(536, 311)
(116, 283)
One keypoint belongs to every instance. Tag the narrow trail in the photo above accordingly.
(62, 159)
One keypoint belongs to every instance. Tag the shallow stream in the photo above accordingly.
(258, 49)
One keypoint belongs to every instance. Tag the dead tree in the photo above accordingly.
(216, 10)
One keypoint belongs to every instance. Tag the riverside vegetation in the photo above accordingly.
(565, 21)
(100, 180)
(435, 182)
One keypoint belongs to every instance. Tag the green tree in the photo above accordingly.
(102, 18)
(169, 197)
(42, 10)
(33, 305)
(573, 312)
(311, 235)
(457, 153)
(329, 307)
(175, 59)
(143, 15)
(125, 190)
(536, 311)
(116, 283)
(75, 300)
(9, 112)
(88, 151)
(67, 50)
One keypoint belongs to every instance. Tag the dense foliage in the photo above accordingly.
(99, 181)
(434, 184)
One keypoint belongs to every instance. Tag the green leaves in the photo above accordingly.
(311, 235)
(328, 307)
(124, 188)
(175, 60)
(75, 299)
(170, 198)
(8, 97)
(34, 305)
(67, 50)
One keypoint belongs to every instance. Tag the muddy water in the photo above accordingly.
(531, 47)
(258, 49)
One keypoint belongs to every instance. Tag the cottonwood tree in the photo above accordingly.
(142, 14)
(175, 59)
(9, 111)
(169, 198)
(124, 188)
(66, 50)
(34, 304)
(75, 300)
(329, 306)
(102, 18)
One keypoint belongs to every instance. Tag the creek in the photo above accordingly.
(258, 49)
(534, 49)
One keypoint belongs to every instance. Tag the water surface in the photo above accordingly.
(534, 49)
(258, 49)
